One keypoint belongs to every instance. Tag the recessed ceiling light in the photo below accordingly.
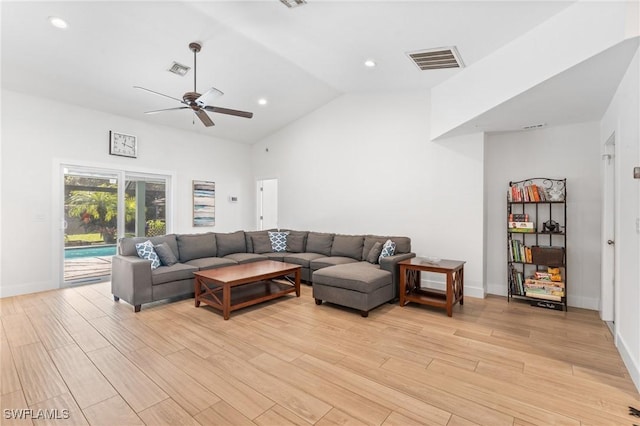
(262, 101)
(369, 63)
(58, 22)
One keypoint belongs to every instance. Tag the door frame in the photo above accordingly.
(259, 201)
(608, 284)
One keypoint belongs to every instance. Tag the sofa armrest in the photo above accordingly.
(390, 263)
(131, 279)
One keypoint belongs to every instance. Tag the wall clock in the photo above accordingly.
(123, 145)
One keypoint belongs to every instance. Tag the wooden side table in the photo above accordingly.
(410, 290)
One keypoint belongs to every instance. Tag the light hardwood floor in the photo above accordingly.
(290, 362)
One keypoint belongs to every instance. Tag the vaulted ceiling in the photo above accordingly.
(297, 59)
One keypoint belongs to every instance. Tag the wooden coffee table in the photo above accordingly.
(252, 283)
(410, 290)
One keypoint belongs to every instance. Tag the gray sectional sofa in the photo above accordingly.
(334, 264)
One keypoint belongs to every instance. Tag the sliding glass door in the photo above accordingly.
(145, 201)
(101, 206)
(90, 222)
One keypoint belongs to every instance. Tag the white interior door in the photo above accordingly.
(267, 191)
(607, 311)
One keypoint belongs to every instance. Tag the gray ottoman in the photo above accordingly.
(361, 286)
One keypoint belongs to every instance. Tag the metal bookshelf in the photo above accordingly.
(544, 200)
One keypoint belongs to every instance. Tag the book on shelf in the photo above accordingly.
(549, 290)
(523, 230)
(544, 296)
(544, 284)
(552, 274)
(534, 192)
(527, 193)
(521, 225)
(519, 217)
(517, 282)
(518, 252)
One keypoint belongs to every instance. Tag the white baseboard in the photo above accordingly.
(497, 289)
(629, 362)
(26, 288)
(583, 302)
(574, 301)
(471, 289)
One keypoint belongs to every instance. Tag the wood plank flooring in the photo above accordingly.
(291, 362)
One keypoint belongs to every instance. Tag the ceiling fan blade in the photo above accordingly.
(228, 111)
(158, 93)
(166, 109)
(207, 96)
(204, 118)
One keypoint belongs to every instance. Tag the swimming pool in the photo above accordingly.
(89, 251)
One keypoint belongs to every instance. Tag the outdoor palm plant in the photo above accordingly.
(99, 210)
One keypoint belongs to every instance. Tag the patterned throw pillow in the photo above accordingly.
(146, 251)
(388, 249)
(278, 241)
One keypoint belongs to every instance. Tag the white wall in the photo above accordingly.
(37, 134)
(575, 34)
(364, 164)
(571, 152)
(621, 118)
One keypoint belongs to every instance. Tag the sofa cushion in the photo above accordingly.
(276, 256)
(128, 244)
(278, 241)
(166, 274)
(362, 277)
(146, 251)
(302, 259)
(374, 253)
(296, 241)
(204, 263)
(318, 242)
(261, 243)
(248, 236)
(194, 246)
(403, 244)
(347, 246)
(246, 257)
(325, 262)
(167, 258)
(388, 249)
(231, 243)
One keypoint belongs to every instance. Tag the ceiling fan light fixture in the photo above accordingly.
(293, 3)
(58, 22)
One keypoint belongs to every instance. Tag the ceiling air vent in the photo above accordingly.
(179, 69)
(293, 3)
(534, 126)
(434, 59)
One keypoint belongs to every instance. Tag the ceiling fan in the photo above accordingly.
(197, 102)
